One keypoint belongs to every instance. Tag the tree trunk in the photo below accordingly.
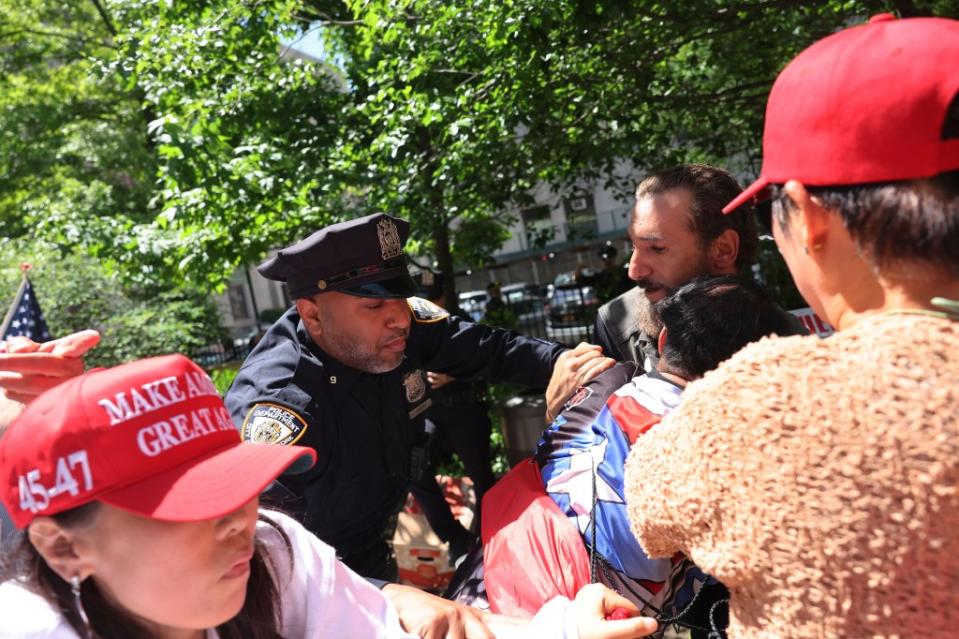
(441, 221)
(444, 258)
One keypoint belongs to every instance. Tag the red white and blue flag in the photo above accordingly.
(25, 317)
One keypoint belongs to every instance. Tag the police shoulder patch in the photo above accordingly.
(425, 311)
(272, 424)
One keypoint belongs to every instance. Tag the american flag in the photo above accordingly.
(25, 317)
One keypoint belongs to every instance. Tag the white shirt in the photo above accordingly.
(319, 597)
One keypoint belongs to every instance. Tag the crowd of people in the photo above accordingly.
(728, 467)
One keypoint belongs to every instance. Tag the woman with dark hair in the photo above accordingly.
(818, 479)
(139, 504)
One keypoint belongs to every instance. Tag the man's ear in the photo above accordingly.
(722, 253)
(309, 312)
(661, 341)
(811, 221)
(60, 549)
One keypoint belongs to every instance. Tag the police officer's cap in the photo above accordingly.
(361, 257)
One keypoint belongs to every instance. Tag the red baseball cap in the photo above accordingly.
(151, 437)
(863, 105)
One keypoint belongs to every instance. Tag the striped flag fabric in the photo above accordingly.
(25, 317)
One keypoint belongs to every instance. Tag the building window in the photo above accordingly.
(238, 305)
(540, 230)
(580, 217)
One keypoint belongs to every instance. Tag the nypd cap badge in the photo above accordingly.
(390, 244)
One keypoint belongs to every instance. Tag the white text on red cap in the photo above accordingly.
(150, 396)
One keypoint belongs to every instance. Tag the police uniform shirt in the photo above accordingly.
(364, 426)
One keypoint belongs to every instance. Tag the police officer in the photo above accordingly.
(344, 372)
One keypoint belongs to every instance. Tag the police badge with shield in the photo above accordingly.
(268, 423)
(415, 387)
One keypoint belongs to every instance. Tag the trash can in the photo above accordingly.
(524, 419)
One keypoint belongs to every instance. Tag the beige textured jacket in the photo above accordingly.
(819, 480)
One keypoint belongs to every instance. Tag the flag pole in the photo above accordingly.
(13, 307)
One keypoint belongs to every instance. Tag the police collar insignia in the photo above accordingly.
(415, 386)
(425, 311)
(272, 424)
(390, 245)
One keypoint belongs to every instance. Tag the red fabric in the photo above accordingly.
(532, 552)
(633, 418)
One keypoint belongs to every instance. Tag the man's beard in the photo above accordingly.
(360, 357)
(647, 318)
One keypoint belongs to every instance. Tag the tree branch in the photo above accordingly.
(56, 34)
(106, 18)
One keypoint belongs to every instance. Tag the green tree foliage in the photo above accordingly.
(75, 166)
(75, 293)
(241, 135)
(169, 139)
(173, 141)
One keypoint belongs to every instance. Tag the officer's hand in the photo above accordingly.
(28, 368)
(432, 617)
(595, 602)
(573, 369)
(438, 380)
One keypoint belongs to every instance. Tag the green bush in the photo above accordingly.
(223, 377)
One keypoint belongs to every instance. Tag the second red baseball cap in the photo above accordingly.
(864, 105)
(151, 437)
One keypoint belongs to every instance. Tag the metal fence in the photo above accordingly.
(563, 315)
(222, 353)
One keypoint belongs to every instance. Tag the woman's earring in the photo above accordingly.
(78, 604)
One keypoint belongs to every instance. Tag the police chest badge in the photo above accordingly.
(415, 384)
(426, 311)
(272, 424)
(390, 245)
